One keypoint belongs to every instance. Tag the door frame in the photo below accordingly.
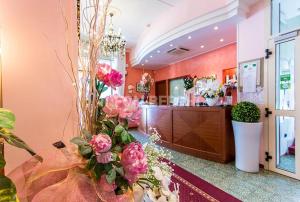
(269, 123)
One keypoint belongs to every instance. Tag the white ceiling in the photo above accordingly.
(133, 16)
(207, 37)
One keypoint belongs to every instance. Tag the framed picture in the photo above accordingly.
(142, 89)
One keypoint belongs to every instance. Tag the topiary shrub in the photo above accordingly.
(245, 112)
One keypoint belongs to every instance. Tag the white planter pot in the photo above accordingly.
(247, 143)
(212, 101)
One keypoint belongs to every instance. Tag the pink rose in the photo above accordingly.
(104, 157)
(113, 104)
(131, 110)
(134, 161)
(101, 143)
(124, 107)
(113, 79)
(102, 70)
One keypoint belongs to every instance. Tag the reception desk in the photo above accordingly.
(205, 132)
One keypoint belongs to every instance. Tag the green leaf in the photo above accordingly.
(85, 150)
(131, 138)
(101, 102)
(124, 137)
(109, 123)
(79, 141)
(119, 129)
(120, 170)
(8, 192)
(114, 156)
(7, 119)
(87, 135)
(99, 170)
(117, 149)
(2, 161)
(111, 176)
(91, 163)
(15, 141)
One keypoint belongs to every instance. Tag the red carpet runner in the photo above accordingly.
(194, 189)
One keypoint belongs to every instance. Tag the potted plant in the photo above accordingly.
(247, 133)
(212, 92)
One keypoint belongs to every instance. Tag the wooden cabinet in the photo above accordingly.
(205, 132)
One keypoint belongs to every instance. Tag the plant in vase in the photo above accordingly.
(211, 92)
(108, 163)
(188, 82)
(146, 82)
(8, 190)
(247, 132)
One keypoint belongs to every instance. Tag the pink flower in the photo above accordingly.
(102, 70)
(131, 110)
(101, 143)
(113, 79)
(124, 107)
(104, 157)
(134, 161)
(113, 104)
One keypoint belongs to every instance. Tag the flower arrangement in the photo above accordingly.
(146, 80)
(114, 159)
(108, 163)
(188, 82)
(212, 90)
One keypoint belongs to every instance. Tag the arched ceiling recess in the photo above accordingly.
(212, 27)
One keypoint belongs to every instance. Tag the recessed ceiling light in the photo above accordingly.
(221, 40)
(190, 37)
(151, 56)
(146, 61)
(143, 64)
(171, 45)
(158, 51)
(216, 28)
(202, 46)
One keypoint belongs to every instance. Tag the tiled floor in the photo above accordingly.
(264, 186)
(287, 162)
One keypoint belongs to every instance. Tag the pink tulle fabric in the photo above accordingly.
(62, 178)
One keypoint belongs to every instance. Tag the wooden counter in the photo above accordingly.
(205, 132)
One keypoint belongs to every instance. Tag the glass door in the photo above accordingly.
(284, 102)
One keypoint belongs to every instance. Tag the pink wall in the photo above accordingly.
(35, 85)
(134, 76)
(203, 65)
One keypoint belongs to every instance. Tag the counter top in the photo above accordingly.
(205, 132)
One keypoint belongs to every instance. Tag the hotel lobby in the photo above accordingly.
(149, 100)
